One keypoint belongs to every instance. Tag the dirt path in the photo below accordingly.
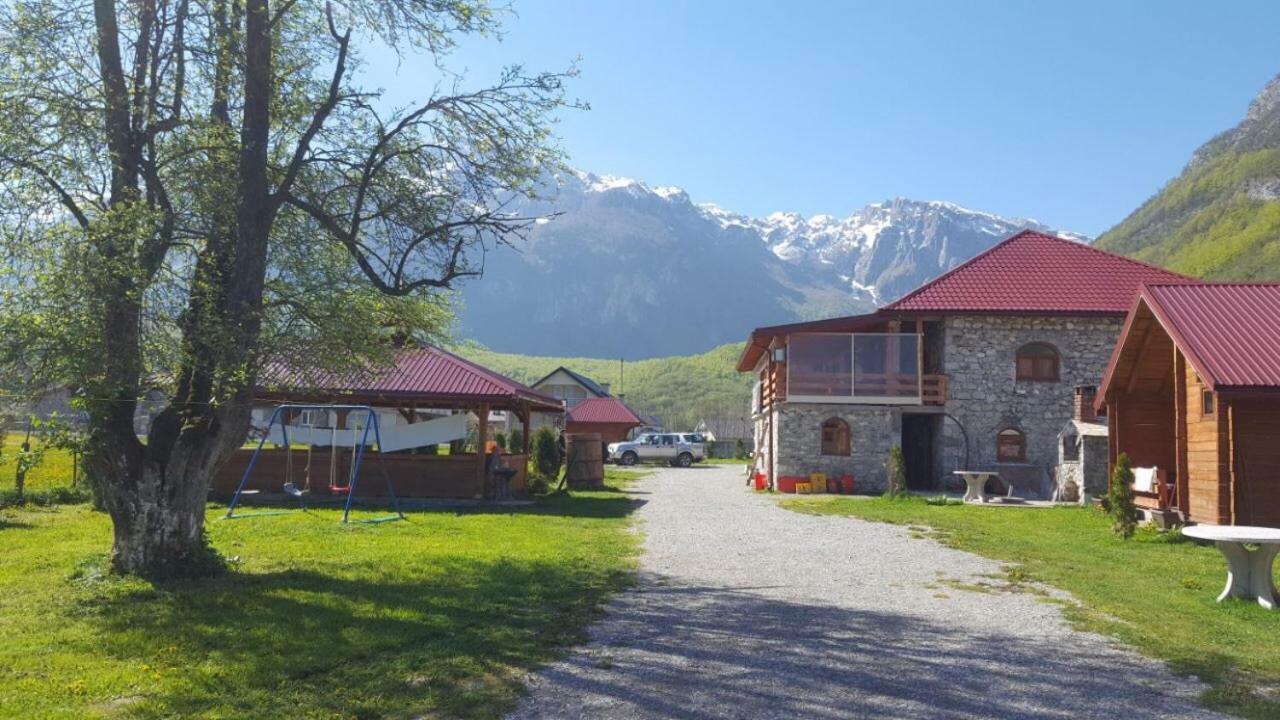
(746, 610)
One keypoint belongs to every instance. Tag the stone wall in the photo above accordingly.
(1093, 465)
(873, 429)
(985, 396)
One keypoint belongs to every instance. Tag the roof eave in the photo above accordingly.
(1038, 312)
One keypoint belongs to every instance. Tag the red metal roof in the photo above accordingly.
(1035, 273)
(603, 410)
(426, 373)
(1229, 332)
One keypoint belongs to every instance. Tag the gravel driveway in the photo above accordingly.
(746, 610)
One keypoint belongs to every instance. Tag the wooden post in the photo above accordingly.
(919, 361)
(1180, 420)
(1227, 455)
(482, 436)
(524, 421)
(892, 360)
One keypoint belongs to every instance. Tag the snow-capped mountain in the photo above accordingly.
(631, 270)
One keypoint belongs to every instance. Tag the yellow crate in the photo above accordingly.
(803, 488)
(817, 482)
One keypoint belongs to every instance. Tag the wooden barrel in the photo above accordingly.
(584, 461)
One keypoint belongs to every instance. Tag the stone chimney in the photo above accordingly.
(1082, 406)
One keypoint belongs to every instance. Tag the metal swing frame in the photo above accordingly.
(358, 459)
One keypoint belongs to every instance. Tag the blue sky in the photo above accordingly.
(1071, 113)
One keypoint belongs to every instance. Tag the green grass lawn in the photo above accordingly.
(53, 471)
(1156, 592)
(438, 616)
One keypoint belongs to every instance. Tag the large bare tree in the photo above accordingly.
(190, 183)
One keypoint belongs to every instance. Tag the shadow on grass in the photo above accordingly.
(300, 643)
(603, 504)
(445, 631)
(608, 502)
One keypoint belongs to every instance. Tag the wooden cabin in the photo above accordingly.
(1193, 390)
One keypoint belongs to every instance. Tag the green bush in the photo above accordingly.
(501, 439)
(1120, 498)
(546, 454)
(515, 441)
(740, 450)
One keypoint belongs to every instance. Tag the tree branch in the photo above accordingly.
(322, 113)
(63, 196)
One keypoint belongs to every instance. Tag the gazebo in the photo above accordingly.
(424, 385)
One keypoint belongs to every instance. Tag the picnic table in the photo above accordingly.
(1249, 572)
(976, 482)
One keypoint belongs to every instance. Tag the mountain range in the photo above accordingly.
(619, 268)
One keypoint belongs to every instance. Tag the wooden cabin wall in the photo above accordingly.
(1142, 407)
(1208, 466)
(1143, 426)
(1255, 423)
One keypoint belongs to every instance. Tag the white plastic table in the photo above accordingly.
(1249, 573)
(976, 482)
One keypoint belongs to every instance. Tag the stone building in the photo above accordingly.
(973, 370)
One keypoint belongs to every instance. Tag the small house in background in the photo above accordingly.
(1081, 474)
(724, 434)
(651, 424)
(608, 417)
(570, 387)
(1193, 391)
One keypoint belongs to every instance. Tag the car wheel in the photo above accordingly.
(629, 458)
(685, 460)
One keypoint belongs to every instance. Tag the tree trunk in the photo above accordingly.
(158, 532)
(157, 505)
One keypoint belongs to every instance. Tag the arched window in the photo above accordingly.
(1038, 361)
(1011, 446)
(835, 437)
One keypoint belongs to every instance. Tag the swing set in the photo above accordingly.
(308, 433)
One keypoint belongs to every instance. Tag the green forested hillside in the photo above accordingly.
(680, 389)
(1206, 223)
(1219, 219)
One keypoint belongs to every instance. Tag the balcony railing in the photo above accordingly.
(866, 368)
(934, 390)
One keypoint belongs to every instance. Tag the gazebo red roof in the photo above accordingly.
(1035, 273)
(423, 374)
(1230, 333)
(603, 410)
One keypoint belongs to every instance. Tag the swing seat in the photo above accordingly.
(339, 489)
(293, 490)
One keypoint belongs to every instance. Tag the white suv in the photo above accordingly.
(672, 448)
